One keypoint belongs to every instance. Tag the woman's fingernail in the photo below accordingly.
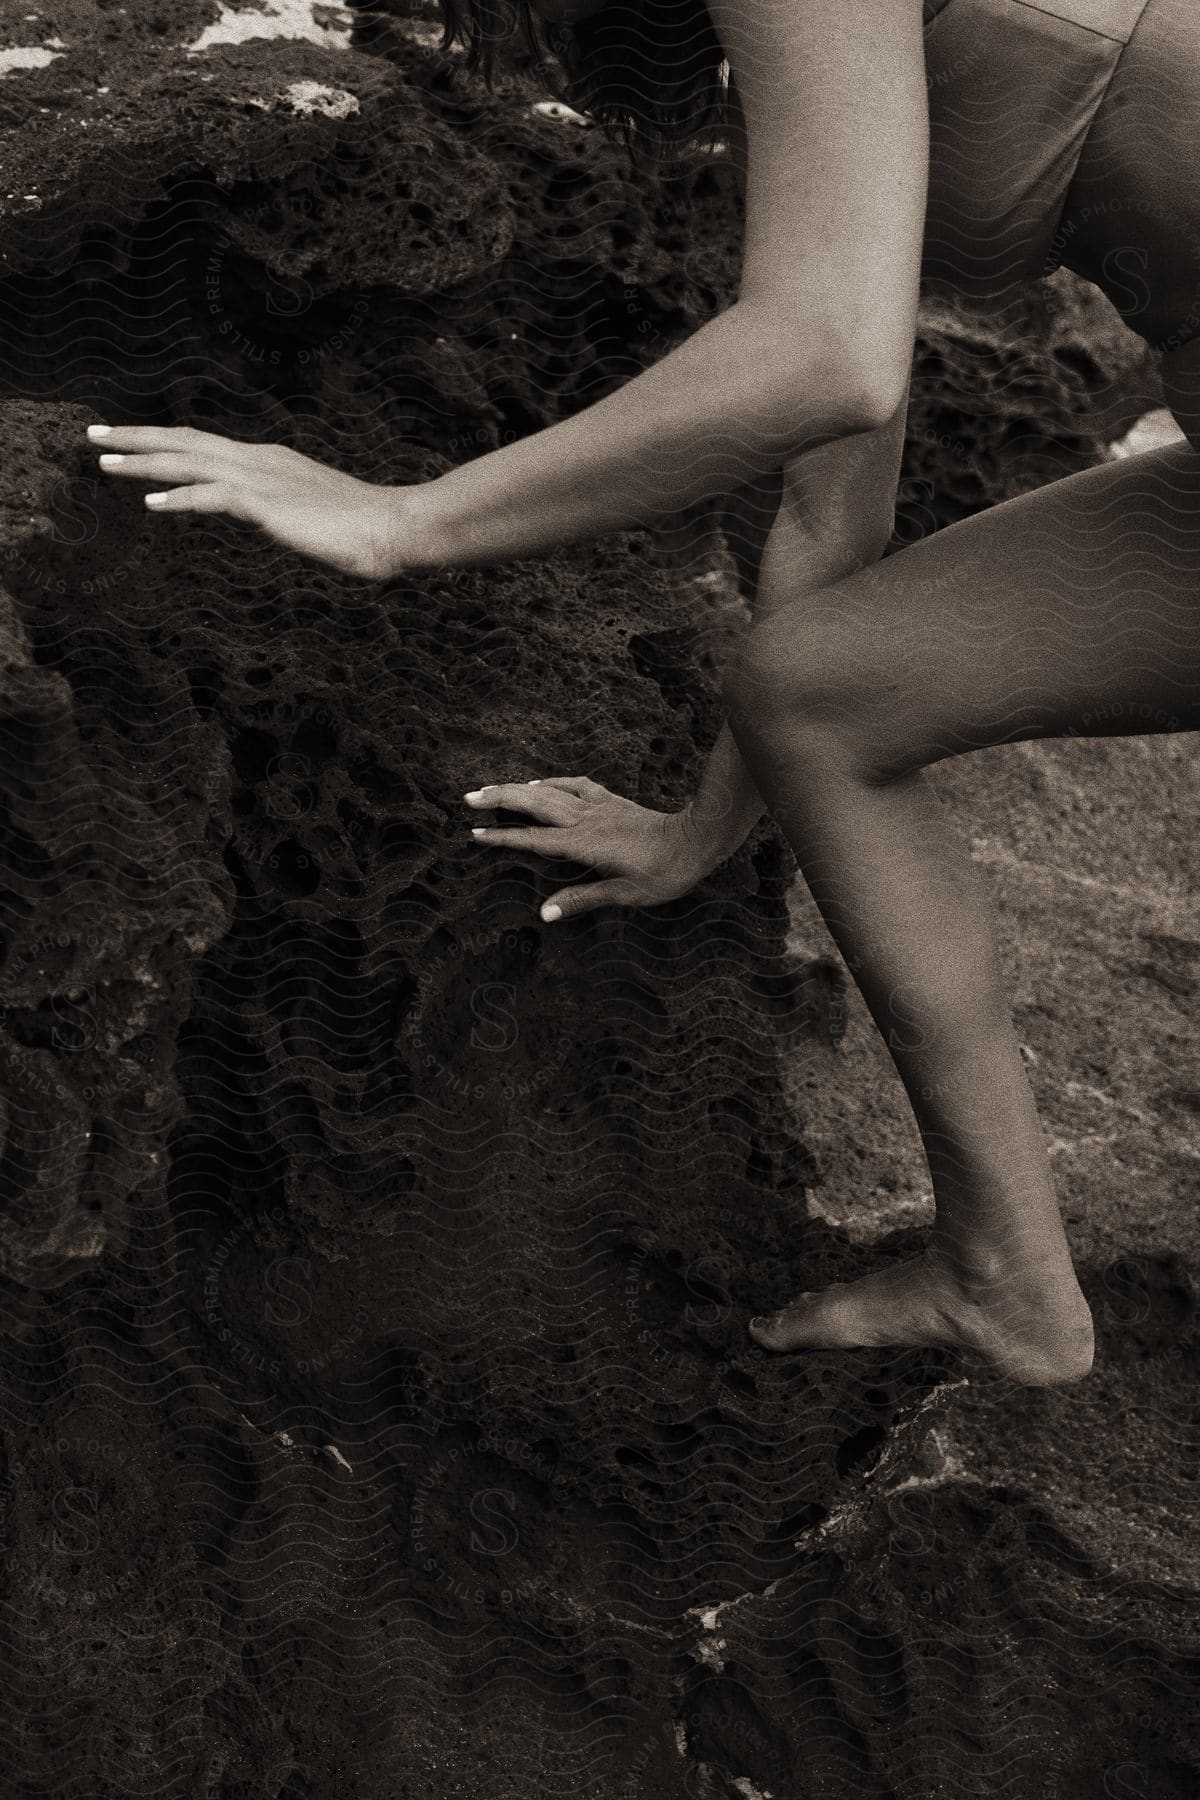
(479, 831)
(106, 462)
(99, 431)
(536, 782)
(551, 913)
(155, 499)
(474, 795)
(757, 1324)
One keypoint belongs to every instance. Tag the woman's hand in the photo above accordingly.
(647, 857)
(352, 525)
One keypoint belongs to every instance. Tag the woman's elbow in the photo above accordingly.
(837, 382)
(817, 403)
(866, 387)
(873, 400)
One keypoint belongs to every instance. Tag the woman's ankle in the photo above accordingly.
(982, 1267)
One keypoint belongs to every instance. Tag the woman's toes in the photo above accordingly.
(877, 1309)
(783, 1330)
(763, 1332)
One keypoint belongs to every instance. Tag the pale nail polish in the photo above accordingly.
(155, 499)
(106, 462)
(551, 914)
(475, 794)
(99, 431)
(479, 831)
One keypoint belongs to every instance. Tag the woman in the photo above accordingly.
(978, 142)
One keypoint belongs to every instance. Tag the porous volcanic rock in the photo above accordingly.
(380, 1418)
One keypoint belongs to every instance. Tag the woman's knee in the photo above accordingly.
(807, 675)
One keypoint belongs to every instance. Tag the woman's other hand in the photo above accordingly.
(351, 525)
(646, 857)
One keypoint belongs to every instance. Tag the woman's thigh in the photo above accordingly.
(1073, 610)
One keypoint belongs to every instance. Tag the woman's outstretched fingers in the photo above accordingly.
(201, 468)
(539, 799)
(636, 856)
(179, 440)
(165, 466)
(205, 497)
(568, 903)
(356, 526)
(582, 786)
(547, 840)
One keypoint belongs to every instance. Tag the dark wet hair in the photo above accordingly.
(651, 72)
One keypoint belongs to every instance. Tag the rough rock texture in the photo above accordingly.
(379, 1414)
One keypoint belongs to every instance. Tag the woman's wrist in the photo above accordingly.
(706, 841)
(418, 528)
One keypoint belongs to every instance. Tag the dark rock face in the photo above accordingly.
(380, 1417)
(998, 409)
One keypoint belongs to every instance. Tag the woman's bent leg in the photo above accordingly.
(1073, 610)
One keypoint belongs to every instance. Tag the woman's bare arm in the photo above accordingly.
(837, 501)
(733, 402)
(816, 347)
(819, 343)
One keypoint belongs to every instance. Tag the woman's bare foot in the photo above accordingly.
(1036, 1328)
